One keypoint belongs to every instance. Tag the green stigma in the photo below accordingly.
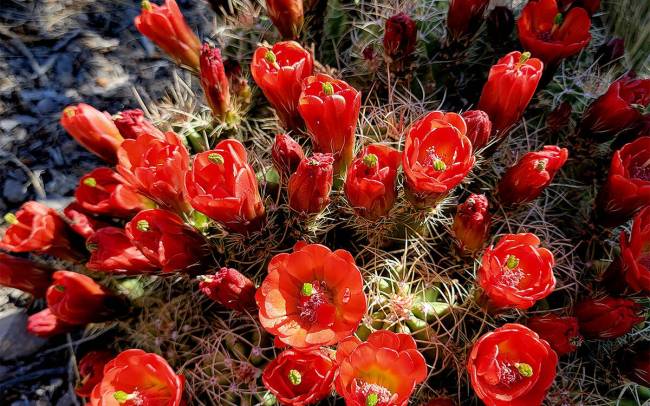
(142, 225)
(307, 289)
(145, 6)
(91, 247)
(558, 19)
(216, 158)
(59, 288)
(512, 262)
(525, 56)
(270, 57)
(294, 377)
(123, 397)
(540, 165)
(328, 89)
(11, 218)
(372, 399)
(70, 111)
(439, 165)
(370, 160)
(524, 369)
(92, 182)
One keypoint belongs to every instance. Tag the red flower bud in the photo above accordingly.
(91, 371)
(229, 288)
(45, 324)
(636, 363)
(136, 377)
(550, 35)
(102, 192)
(166, 27)
(500, 23)
(131, 124)
(36, 227)
(508, 90)
(525, 181)
(628, 183)
(400, 36)
(611, 51)
(76, 299)
(309, 187)
(561, 333)
(608, 317)
(223, 186)
(472, 223)
(92, 129)
(279, 72)
(479, 128)
(299, 377)
(23, 274)
(112, 251)
(169, 243)
(81, 221)
(635, 253)
(370, 182)
(214, 81)
(286, 154)
(511, 366)
(437, 156)
(156, 168)
(464, 18)
(516, 272)
(559, 118)
(619, 109)
(287, 16)
(330, 108)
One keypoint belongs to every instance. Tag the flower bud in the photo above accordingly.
(286, 154)
(500, 23)
(287, 16)
(561, 333)
(92, 129)
(479, 128)
(229, 288)
(472, 223)
(464, 18)
(214, 81)
(400, 36)
(309, 187)
(132, 123)
(608, 317)
(23, 274)
(45, 324)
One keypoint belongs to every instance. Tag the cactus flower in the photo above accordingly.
(608, 317)
(111, 251)
(91, 371)
(102, 192)
(472, 223)
(214, 81)
(77, 299)
(132, 123)
(310, 186)
(45, 324)
(400, 36)
(635, 253)
(229, 288)
(23, 274)
(479, 128)
(464, 18)
(562, 333)
(287, 16)
(286, 154)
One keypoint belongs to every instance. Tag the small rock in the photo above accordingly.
(15, 341)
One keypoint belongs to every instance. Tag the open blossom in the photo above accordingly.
(112, 251)
(91, 371)
(81, 221)
(166, 241)
(23, 274)
(370, 181)
(45, 324)
(511, 366)
(166, 27)
(607, 317)
(132, 124)
(287, 16)
(156, 168)
(510, 85)
(525, 181)
(400, 36)
(311, 297)
(635, 253)
(223, 186)
(437, 156)
(214, 81)
(93, 129)
(381, 371)
(286, 154)
(136, 377)
(479, 128)
(562, 333)
(464, 18)
(330, 108)
(229, 288)
(516, 272)
(310, 186)
(279, 72)
(77, 299)
(472, 223)
(627, 188)
(550, 35)
(102, 192)
(300, 377)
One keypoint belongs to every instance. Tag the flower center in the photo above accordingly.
(123, 397)
(295, 377)
(641, 172)
(511, 274)
(374, 395)
(142, 225)
(434, 161)
(216, 158)
(313, 297)
(270, 57)
(328, 89)
(540, 164)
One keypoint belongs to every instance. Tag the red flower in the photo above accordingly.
(81, 221)
(223, 186)
(437, 156)
(370, 181)
(279, 72)
(287, 16)
(166, 27)
(635, 253)
(628, 183)
(608, 317)
(517, 272)
(400, 36)
(168, 243)
(309, 187)
(479, 128)
(382, 371)
(132, 124)
(562, 333)
(511, 366)
(23, 274)
(330, 108)
(36, 227)
(311, 297)
(508, 90)
(525, 181)
(214, 81)
(45, 324)
(286, 154)
(136, 377)
(465, 17)
(472, 223)
(229, 288)
(102, 192)
(619, 109)
(91, 371)
(112, 251)
(76, 299)
(550, 35)
(92, 129)
(300, 377)
(156, 168)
